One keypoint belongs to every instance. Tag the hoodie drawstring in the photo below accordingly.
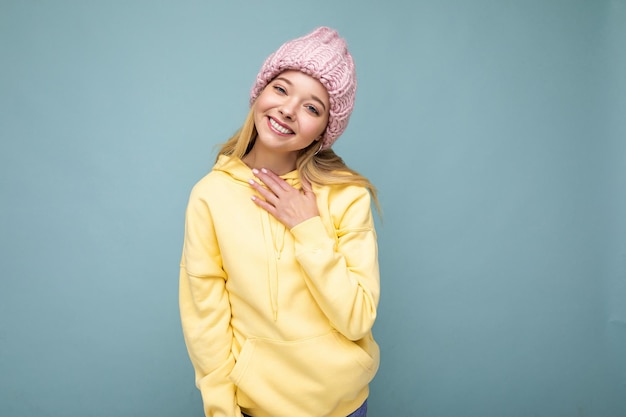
(274, 236)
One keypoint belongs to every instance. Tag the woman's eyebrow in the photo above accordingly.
(284, 79)
(314, 97)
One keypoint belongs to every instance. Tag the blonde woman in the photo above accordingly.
(279, 279)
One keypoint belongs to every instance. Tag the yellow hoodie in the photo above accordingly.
(278, 322)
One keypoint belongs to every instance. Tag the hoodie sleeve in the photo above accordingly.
(205, 311)
(342, 271)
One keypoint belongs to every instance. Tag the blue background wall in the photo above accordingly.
(496, 134)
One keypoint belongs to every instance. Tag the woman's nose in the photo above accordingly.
(287, 110)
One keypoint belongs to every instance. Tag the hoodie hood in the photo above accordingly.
(241, 172)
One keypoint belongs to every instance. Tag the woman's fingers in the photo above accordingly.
(268, 195)
(264, 205)
(271, 180)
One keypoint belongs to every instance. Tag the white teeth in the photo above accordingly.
(279, 127)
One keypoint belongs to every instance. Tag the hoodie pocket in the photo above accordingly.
(292, 378)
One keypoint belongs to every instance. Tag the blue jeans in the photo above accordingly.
(359, 412)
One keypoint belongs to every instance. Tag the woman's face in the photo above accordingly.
(291, 112)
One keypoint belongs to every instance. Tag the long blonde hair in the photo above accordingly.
(323, 167)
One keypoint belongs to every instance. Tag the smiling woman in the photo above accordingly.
(279, 280)
(289, 116)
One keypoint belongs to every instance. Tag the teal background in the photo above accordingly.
(495, 131)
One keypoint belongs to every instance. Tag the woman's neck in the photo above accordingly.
(278, 163)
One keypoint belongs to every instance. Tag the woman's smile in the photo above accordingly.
(279, 128)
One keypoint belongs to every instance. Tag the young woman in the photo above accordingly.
(279, 280)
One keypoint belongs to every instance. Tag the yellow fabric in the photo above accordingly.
(278, 322)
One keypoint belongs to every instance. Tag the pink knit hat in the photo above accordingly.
(324, 55)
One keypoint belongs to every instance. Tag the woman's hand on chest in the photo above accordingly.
(286, 203)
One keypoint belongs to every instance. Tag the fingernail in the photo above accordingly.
(263, 170)
(251, 181)
(255, 171)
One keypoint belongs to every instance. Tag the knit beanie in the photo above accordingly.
(323, 55)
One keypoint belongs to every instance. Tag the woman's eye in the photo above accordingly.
(312, 109)
(279, 89)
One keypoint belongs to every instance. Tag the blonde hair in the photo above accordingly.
(323, 167)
